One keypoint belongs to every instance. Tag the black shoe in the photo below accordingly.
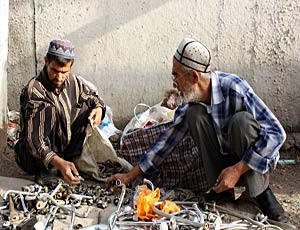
(270, 206)
(227, 196)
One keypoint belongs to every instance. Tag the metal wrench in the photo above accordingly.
(23, 204)
(51, 213)
(72, 218)
(118, 183)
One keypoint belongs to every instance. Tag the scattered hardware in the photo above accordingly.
(57, 201)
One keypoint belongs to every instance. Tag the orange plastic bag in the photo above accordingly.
(147, 198)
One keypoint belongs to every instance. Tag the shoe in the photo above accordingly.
(227, 196)
(270, 206)
(45, 178)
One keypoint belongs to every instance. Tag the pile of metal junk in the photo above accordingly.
(20, 209)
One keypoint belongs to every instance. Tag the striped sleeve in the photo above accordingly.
(90, 95)
(40, 119)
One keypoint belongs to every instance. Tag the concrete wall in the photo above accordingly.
(4, 9)
(125, 47)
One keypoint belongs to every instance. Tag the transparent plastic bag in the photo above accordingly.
(154, 115)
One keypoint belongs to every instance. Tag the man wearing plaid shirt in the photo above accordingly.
(237, 136)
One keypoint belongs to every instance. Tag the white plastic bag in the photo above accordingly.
(156, 114)
(107, 126)
(153, 115)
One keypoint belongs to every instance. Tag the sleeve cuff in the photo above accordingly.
(48, 159)
(147, 167)
(256, 162)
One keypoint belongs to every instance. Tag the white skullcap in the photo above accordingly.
(193, 54)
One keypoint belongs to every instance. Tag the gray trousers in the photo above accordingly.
(243, 132)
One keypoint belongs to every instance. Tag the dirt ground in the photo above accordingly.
(285, 182)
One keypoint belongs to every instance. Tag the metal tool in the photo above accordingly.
(13, 215)
(119, 183)
(211, 188)
(25, 209)
(72, 218)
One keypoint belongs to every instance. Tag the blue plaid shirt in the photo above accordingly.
(230, 94)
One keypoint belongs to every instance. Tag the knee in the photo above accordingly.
(195, 113)
(242, 121)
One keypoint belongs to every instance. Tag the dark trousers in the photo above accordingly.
(243, 132)
(33, 165)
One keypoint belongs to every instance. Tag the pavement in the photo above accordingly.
(8, 183)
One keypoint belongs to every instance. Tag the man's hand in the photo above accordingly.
(67, 169)
(95, 117)
(126, 178)
(230, 176)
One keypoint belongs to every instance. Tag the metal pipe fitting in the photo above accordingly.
(146, 181)
(179, 219)
(18, 193)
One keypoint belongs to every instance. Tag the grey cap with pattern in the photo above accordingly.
(193, 54)
(61, 48)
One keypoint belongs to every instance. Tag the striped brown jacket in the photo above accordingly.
(47, 116)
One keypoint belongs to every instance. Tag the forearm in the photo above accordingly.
(241, 167)
(135, 172)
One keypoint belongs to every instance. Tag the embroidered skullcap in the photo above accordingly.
(61, 48)
(193, 54)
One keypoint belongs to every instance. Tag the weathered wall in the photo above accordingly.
(125, 47)
(4, 6)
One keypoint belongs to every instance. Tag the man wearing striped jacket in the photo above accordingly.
(56, 108)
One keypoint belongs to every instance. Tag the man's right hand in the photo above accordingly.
(126, 178)
(67, 169)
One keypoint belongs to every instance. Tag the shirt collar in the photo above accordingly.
(216, 91)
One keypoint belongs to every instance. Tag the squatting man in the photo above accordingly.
(56, 108)
(236, 134)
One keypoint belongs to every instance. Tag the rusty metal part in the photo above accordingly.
(40, 205)
(13, 215)
(99, 217)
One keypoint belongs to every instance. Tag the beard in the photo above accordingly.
(57, 85)
(190, 94)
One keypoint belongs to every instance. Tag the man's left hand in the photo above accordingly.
(95, 117)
